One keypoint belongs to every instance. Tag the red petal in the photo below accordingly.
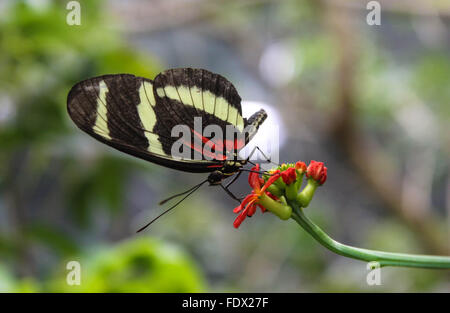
(253, 178)
(248, 199)
(239, 219)
(324, 176)
(270, 181)
(238, 209)
(251, 209)
(243, 203)
(261, 181)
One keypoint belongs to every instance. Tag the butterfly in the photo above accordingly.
(177, 120)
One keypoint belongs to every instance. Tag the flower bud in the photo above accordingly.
(300, 166)
(317, 171)
(289, 175)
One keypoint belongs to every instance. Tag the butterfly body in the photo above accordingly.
(228, 169)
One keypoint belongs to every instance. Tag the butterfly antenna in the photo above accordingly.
(252, 171)
(190, 191)
(181, 193)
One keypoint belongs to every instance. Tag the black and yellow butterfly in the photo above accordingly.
(137, 115)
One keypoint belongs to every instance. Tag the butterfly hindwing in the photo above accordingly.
(209, 95)
(212, 99)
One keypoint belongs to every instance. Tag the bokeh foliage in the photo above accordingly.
(47, 198)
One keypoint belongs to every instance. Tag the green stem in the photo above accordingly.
(383, 258)
(306, 195)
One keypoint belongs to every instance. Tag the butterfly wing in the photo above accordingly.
(136, 115)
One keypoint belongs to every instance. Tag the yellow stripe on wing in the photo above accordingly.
(101, 121)
(206, 100)
(148, 117)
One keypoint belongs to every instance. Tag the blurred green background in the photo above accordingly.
(373, 102)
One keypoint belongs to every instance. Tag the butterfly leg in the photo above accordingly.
(240, 172)
(268, 159)
(230, 193)
(233, 180)
(247, 160)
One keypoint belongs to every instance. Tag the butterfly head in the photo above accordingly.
(228, 169)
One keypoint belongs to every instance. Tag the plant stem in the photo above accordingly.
(383, 258)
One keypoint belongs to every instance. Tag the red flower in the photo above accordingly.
(317, 171)
(300, 166)
(289, 175)
(249, 204)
